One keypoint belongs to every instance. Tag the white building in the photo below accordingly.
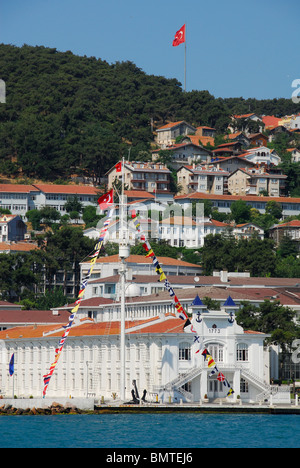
(181, 231)
(160, 356)
(21, 198)
(139, 265)
(262, 155)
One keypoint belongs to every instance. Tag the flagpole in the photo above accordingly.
(185, 61)
(123, 253)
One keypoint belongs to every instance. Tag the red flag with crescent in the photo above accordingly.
(106, 200)
(179, 36)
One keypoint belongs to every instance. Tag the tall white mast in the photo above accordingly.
(124, 252)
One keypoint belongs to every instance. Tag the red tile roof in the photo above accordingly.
(293, 223)
(141, 259)
(17, 188)
(68, 189)
(87, 327)
(17, 247)
(253, 198)
(32, 316)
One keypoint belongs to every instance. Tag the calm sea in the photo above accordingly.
(176, 431)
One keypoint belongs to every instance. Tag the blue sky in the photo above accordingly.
(234, 48)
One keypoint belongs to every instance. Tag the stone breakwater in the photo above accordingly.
(54, 408)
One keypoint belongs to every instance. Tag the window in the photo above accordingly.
(244, 388)
(216, 351)
(184, 352)
(242, 352)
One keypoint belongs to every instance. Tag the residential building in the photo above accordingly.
(244, 121)
(17, 247)
(228, 149)
(202, 178)
(204, 141)
(295, 154)
(238, 137)
(230, 164)
(142, 176)
(181, 231)
(290, 229)
(258, 139)
(185, 152)
(204, 131)
(256, 181)
(247, 231)
(12, 228)
(205, 135)
(270, 121)
(262, 155)
(239, 231)
(291, 122)
(167, 134)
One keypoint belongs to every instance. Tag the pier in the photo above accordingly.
(41, 406)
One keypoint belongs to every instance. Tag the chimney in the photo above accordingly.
(224, 276)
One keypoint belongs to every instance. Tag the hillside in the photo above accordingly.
(66, 114)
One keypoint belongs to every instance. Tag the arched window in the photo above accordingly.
(184, 352)
(242, 352)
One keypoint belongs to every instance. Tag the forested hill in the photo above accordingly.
(66, 114)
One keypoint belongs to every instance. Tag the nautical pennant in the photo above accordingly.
(108, 200)
(188, 326)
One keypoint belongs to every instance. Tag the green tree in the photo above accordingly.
(73, 205)
(274, 209)
(241, 211)
(270, 318)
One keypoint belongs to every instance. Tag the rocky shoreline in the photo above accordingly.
(55, 408)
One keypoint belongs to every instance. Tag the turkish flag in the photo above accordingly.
(106, 200)
(179, 36)
(118, 167)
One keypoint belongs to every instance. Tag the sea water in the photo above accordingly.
(176, 431)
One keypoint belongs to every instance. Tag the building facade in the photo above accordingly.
(21, 198)
(142, 176)
(160, 357)
(12, 228)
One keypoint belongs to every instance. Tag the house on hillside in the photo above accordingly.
(295, 154)
(256, 181)
(238, 137)
(12, 228)
(181, 231)
(228, 149)
(262, 155)
(258, 139)
(167, 134)
(290, 229)
(244, 122)
(231, 163)
(270, 121)
(185, 152)
(142, 176)
(202, 178)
